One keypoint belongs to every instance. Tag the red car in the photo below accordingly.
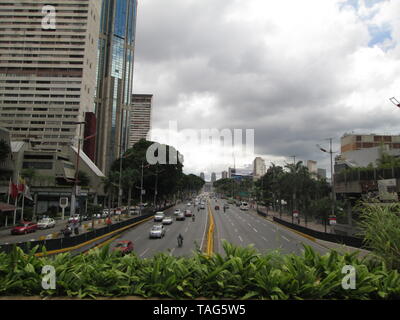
(24, 228)
(188, 213)
(124, 246)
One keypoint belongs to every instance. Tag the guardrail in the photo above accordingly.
(59, 245)
(337, 238)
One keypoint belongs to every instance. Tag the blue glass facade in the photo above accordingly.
(115, 78)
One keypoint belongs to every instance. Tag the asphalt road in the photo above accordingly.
(245, 228)
(193, 234)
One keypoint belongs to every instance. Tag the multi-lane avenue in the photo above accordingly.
(239, 227)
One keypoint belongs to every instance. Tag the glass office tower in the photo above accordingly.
(114, 79)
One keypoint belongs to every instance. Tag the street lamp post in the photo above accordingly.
(74, 189)
(332, 180)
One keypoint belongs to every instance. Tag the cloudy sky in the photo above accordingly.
(296, 72)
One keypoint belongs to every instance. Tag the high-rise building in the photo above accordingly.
(259, 167)
(116, 49)
(213, 177)
(202, 176)
(321, 173)
(47, 69)
(224, 175)
(140, 119)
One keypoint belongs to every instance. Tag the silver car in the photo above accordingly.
(46, 223)
(159, 216)
(167, 220)
(157, 231)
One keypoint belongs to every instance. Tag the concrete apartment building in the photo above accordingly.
(213, 177)
(116, 52)
(140, 118)
(224, 174)
(259, 168)
(353, 142)
(202, 176)
(47, 76)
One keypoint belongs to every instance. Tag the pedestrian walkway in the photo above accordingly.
(311, 224)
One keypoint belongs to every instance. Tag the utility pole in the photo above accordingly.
(141, 192)
(294, 193)
(155, 189)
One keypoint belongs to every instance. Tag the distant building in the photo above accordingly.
(202, 176)
(140, 119)
(259, 168)
(213, 177)
(224, 175)
(312, 168)
(321, 173)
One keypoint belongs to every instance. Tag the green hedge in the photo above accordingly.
(242, 273)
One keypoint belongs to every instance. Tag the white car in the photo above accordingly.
(167, 220)
(46, 223)
(189, 204)
(177, 212)
(157, 231)
(159, 216)
(244, 206)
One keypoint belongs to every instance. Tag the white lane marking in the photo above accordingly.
(232, 224)
(240, 238)
(186, 230)
(286, 238)
(144, 252)
(250, 225)
(236, 230)
(273, 230)
(255, 229)
(264, 238)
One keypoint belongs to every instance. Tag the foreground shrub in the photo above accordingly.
(243, 273)
(381, 230)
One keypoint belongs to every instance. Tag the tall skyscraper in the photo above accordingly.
(224, 174)
(140, 119)
(47, 68)
(202, 176)
(213, 177)
(114, 79)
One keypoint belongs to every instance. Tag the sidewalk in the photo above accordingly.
(311, 224)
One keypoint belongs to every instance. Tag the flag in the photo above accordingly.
(21, 185)
(27, 193)
(13, 190)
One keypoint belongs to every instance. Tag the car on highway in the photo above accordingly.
(189, 204)
(167, 220)
(46, 223)
(188, 213)
(74, 218)
(157, 231)
(159, 216)
(177, 212)
(180, 217)
(202, 206)
(24, 228)
(244, 206)
(216, 207)
(123, 246)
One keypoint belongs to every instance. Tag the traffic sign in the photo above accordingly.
(295, 213)
(63, 202)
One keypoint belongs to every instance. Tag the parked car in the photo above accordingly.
(124, 246)
(75, 218)
(24, 228)
(188, 213)
(167, 220)
(46, 223)
(180, 217)
(157, 231)
(159, 216)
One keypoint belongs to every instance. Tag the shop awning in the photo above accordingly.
(4, 207)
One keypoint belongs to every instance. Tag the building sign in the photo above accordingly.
(388, 190)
